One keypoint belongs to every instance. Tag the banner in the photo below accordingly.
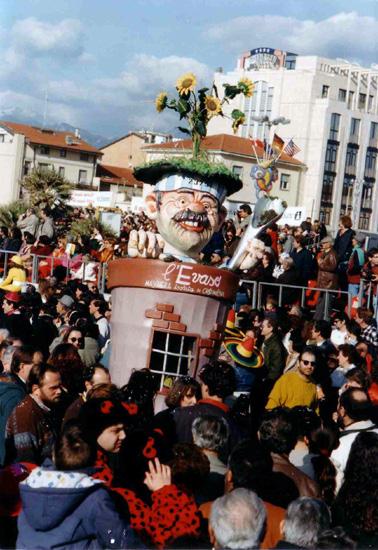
(84, 199)
(293, 216)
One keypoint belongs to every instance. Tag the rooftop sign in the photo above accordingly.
(264, 58)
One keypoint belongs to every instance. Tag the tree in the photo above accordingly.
(9, 213)
(45, 187)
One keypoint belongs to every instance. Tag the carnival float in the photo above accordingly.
(168, 310)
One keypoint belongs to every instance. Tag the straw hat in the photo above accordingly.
(231, 330)
(17, 260)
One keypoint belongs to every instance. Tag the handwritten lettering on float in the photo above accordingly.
(186, 278)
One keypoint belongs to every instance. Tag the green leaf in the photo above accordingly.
(215, 89)
(203, 90)
(237, 114)
(183, 107)
(201, 128)
(183, 130)
(231, 91)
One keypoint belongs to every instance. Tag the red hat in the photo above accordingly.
(244, 353)
(14, 297)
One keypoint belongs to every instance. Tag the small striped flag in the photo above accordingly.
(291, 149)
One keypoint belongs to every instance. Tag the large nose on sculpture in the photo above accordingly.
(197, 207)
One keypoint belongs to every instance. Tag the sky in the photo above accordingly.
(102, 62)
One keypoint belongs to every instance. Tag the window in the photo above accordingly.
(285, 182)
(258, 105)
(364, 220)
(172, 355)
(325, 90)
(361, 101)
(237, 171)
(370, 102)
(355, 127)
(290, 62)
(350, 99)
(374, 130)
(331, 157)
(335, 125)
(327, 190)
(63, 153)
(82, 176)
(61, 171)
(27, 167)
(43, 150)
(351, 156)
(43, 166)
(367, 197)
(84, 157)
(370, 162)
(2, 138)
(342, 95)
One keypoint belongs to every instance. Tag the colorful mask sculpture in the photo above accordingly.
(264, 175)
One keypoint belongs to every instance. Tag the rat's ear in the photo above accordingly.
(151, 206)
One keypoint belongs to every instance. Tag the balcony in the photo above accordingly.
(353, 139)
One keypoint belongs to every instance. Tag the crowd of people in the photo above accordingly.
(273, 445)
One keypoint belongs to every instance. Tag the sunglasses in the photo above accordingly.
(306, 362)
(78, 340)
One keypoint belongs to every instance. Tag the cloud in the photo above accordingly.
(118, 104)
(347, 35)
(36, 37)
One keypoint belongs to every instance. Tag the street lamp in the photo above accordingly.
(266, 121)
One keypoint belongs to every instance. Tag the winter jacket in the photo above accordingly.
(274, 356)
(30, 433)
(304, 264)
(327, 265)
(343, 245)
(69, 510)
(10, 395)
(355, 265)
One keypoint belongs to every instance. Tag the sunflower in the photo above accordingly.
(161, 102)
(237, 122)
(246, 86)
(213, 105)
(186, 83)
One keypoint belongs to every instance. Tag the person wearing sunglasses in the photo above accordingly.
(75, 337)
(296, 388)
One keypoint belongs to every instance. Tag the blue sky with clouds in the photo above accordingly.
(102, 62)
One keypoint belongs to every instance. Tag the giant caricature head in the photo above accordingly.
(187, 211)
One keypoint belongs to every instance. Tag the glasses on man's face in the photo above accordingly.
(306, 362)
(73, 340)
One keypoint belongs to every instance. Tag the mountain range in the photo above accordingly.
(15, 115)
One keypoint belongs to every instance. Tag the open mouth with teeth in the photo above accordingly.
(191, 221)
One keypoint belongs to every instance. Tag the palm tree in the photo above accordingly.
(45, 187)
(9, 213)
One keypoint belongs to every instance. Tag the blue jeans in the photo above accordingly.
(245, 378)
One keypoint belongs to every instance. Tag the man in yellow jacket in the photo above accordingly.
(296, 388)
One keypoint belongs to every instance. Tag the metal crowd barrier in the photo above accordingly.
(36, 258)
(258, 287)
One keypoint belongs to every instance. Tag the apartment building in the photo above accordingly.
(24, 147)
(332, 109)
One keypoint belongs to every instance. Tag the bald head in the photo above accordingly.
(356, 404)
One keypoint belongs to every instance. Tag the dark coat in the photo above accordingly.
(274, 356)
(304, 264)
(327, 265)
(343, 245)
(287, 278)
(70, 517)
(10, 395)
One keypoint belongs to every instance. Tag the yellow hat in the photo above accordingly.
(17, 260)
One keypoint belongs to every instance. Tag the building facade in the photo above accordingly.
(128, 151)
(23, 148)
(238, 155)
(332, 108)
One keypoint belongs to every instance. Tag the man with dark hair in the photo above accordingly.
(31, 428)
(242, 220)
(13, 319)
(217, 382)
(354, 412)
(278, 435)
(321, 333)
(273, 351)
(98, 308)
(303, 260)
(369, 332)
(46, 227)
